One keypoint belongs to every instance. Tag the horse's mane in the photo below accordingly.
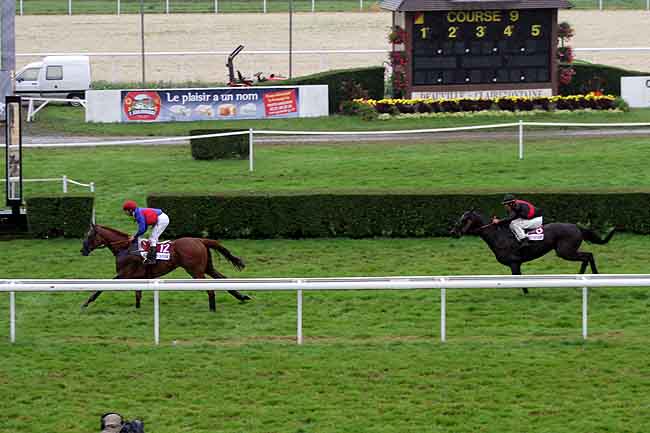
(117, 232)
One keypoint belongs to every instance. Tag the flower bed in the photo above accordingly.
(510, 103)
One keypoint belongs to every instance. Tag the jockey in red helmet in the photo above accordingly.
(145, 217)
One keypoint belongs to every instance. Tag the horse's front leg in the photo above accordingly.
(138, 298)
(94, 296)
(515, 268)
(91, 299)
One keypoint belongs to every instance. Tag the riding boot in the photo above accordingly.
(151, 256)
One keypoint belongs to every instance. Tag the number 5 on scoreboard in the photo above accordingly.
(535, 30)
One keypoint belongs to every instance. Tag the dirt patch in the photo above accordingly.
(263, 32)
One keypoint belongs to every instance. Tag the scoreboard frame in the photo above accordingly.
(478, 48)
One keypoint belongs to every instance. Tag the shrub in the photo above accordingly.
(226, 147)
(593, 77)
(388, 215)
(67, 215)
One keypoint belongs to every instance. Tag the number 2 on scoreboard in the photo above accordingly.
(452, 32)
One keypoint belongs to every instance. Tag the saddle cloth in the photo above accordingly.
(536, 234)
(163, 249)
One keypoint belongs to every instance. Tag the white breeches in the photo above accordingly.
(156, 230)
(519, 225)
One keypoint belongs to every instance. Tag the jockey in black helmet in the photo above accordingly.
(522, 215)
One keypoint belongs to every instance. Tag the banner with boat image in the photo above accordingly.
(178, 105)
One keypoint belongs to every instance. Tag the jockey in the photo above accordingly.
(522, 215)
(146, 217)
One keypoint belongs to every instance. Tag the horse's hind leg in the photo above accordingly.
(587, 259)
(138, 298)
(216, 274)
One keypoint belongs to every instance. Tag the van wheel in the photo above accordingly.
(76, 97)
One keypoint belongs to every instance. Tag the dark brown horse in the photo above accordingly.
(564, 238)
(192, 254)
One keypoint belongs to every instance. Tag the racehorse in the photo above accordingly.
(564, 238)
(192, 254)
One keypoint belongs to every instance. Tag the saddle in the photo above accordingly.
(163, 249)
(535, 234)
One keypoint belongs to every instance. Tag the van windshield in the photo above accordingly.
(30, 74)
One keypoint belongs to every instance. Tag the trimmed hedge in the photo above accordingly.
(54, 215)
(369, 79)
(228, 147)
(387, 215)
(590, 77)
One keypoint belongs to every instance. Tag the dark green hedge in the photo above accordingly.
(590, 77)
(369, 79)
(369, 215)
(228, 147)
(54, 215)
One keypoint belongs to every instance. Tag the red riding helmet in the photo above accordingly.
(129, 205)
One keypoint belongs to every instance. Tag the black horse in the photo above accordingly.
(564, 238)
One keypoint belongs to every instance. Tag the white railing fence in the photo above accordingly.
(172, 6)
(301, 285)
(65, 182)
(32, 110)
(252, 132)
(167, 6)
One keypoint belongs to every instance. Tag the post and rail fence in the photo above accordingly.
(301, 285)
(369, 134)
(119, 7)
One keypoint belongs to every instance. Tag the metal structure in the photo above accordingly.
(7, 51)
(300, 285)
(474, 48)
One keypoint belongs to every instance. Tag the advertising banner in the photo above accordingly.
(176, 105)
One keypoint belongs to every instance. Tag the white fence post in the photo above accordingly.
(69, 7)
(12, 316)
(299, 317)
(64, 178)
(264, 6)
(21, 8)
(156, 313)
(584, 313)
(119, 6)
(443, 314)
(167, 6)
(250, 150)
(521, 139)
(216, 6)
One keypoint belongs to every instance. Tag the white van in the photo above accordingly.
(55, 77)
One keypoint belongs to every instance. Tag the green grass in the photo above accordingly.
(372, 361)
(602, 164)
(70, 121)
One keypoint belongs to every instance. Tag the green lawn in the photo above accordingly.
(70, 121)
(603, 164)
(372, 361)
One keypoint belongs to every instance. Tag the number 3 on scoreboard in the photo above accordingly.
(535, 30)
(452, 32)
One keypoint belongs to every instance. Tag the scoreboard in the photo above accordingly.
(495, 47)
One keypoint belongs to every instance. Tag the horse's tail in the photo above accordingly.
(591, 236)
(237, 262)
